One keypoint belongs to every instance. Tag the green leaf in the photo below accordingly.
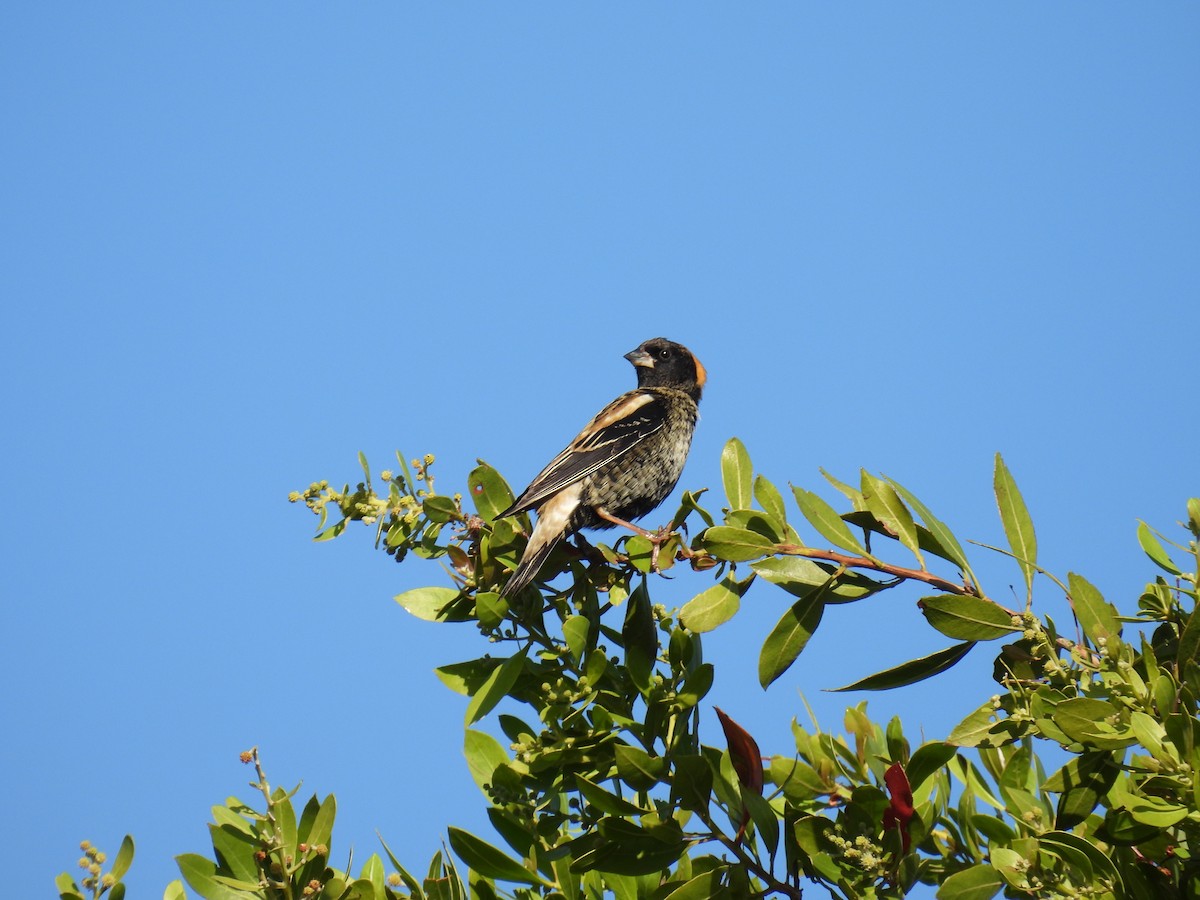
(427, 602)
(770, 499)
(1189, 642)
(736, 474)
(124, 858)
(440, 508)
(926, 760)
(912, 671)
(980, 882)
(1097, 617)
(489, 491)
(175, 891)
(800, 577)
(1018, 527)
(966, 618)
(948, 545)
(606, 801)
(637, 768)
(714, 606)
(201, 876)
(789, 637)
(575, 632)
(885, 504)
(497, 686)
(484, 755)
(67, 889)
(1081, 853)
(691, 782)
(826, 521)
(735, 544)
(489, 861)
(1154, 549)
(701, 887)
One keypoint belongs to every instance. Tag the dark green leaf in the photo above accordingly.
(1018, 526)
(691, 782)
(575, 631)
(736, 474)
(967, 618)
(490, 861)
(912, 671)
(927, 759)
(789, 637)
(826, 521)
(606, 801)
(637, 768)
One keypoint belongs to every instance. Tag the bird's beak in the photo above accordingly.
(640, 358)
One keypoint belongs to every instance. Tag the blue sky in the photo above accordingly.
(242, 242)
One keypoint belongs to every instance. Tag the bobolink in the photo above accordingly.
(625, 461)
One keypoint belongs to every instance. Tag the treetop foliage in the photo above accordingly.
(603, 784)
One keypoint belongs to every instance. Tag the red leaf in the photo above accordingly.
(900, 810)
(744, 753)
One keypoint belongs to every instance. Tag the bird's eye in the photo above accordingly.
(664, 354)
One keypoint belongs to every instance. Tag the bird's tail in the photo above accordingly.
(537, 551)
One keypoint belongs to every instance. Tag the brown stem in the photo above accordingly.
(861, 562)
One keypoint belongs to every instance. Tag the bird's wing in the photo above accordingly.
(614, 431)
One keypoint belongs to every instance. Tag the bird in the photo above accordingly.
(623, 463)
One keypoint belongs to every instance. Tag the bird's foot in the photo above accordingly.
(656, 538)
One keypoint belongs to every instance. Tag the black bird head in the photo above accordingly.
(663, 363)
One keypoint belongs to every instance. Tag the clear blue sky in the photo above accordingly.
(242, 242)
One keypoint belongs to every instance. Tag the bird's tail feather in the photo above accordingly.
(536, 553)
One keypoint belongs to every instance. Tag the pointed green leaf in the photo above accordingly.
(67, 889)
(736, 474)
(885, 504)
(826, 521)
(966, 618)
(427, 602)
(497, 686)
(948, 545)
(1154, 549)
(1097, 617)
(714, 606)
(489, 861)
(175, 891)
(1018, 526)
(606, 801)
(124, 859)
(789, 637)
(912, 671)
(770, 499)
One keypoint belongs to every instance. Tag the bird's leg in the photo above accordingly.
(655, 538)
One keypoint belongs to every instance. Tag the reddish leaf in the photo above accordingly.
(901, 810)
(743, 752)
